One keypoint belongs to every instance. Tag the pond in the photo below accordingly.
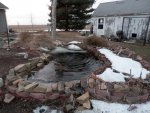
(67, 67)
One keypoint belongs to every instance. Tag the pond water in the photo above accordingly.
(67, 67)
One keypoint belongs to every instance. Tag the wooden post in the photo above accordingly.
(53, 30)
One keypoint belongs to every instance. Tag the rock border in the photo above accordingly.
(97, 88)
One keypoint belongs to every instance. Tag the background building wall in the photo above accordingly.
(3, 22)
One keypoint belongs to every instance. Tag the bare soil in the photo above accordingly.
(8, 59)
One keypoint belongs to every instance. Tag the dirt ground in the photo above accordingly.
(8, 60)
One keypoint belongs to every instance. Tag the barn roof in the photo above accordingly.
(124, 7)
(2, 6)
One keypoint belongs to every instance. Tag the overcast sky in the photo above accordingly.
(21, 11)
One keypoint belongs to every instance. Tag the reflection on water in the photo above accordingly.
(66, 67)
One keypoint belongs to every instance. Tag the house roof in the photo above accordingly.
(124, 7)
(2, 6)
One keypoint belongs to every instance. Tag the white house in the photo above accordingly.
(130, 16)
(3, 21)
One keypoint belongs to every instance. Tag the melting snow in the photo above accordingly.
(123, 65)
(74, 47)
(109, 75)
(74, 42)
(105, 107)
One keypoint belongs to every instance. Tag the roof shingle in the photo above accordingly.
(2, 6)
(125, 7)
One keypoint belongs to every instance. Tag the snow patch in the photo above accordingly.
(123, 65)
(74, 47)
(104, 107)
(110, 76)
(74, 42)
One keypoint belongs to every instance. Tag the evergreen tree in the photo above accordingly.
(73, 14)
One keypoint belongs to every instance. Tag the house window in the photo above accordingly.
(134, 35)
(100, 26)
(100, 23)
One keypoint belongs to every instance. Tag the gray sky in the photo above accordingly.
(21, 11)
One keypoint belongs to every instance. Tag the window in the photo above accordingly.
(100, 26)
(100, 23)
(134, 35)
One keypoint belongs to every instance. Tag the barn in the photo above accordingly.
(3, 21)
(130, 16)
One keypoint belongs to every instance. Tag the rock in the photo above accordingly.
(34, 62)
(53, 96)
(131, 108)
(103, 86)
(44, 59)
(22, 94)
(11, 89)
(144, 98)
(21, 86)
(61, 86)
(132, 100)
(11, 78)
(71, 99)
(83, 98)
(8, 98)
(1, 82)
(67, 90)
(30, 86)
(87, 104)
(46, 55)
(54, 86)
(117, 96)
(91, 91)
(148, 76)
(75, 82)
(17, 81)
(22, 74)
(26, 56)
(91, 82)
(40, 89)
(84, 83)
(39, 96)
(101, 94)
(12, 72)
(20, 68)
(69, 107)
(69, 84)
(80, 108)
(139, 58)
(42, 49)
(40, 65)
(49, 89)
(121, 88)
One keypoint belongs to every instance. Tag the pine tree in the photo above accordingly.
(73, 14)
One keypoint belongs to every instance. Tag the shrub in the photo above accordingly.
(41, 41)
(95, 41)
(25, 37)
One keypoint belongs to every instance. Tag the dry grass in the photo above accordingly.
(25, 37)
(31, 41)
(95, 41)
(41, 41)
(68, 36)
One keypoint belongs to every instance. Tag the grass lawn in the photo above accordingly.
(143, 51)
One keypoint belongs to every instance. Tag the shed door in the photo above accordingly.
(126, 22)
(100, 26)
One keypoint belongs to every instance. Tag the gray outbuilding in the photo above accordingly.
(130, 16)
(3, 20)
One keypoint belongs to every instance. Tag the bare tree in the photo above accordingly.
(54, 4)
